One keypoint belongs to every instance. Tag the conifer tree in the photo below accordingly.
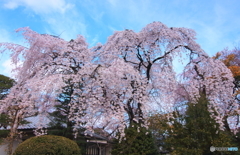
(138, 141)
(191, 132)
(60, 124)
(196, 131)
(5, 84)
(59, 117)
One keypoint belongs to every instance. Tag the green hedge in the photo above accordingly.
(48, 145)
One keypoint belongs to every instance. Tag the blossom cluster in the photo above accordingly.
(115, 83)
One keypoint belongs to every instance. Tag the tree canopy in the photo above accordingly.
(231, 58)
(5, 84)
(116, 84)
(192, 132)
(137, 141)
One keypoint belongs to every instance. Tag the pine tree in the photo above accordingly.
(59, 117)
(196, 131)
(5, 84)
(137, 141)
(60, 124)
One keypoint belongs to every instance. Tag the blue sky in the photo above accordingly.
(217, 22)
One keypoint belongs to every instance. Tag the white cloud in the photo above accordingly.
(62, 17)
(131, 10)
(11, 5)
(40, 6)
(67, 26)
(94, 9)
(8, 66)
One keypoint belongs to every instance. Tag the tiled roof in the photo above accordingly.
(35, 121)
(88, 133)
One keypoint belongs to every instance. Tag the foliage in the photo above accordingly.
(4, 120)
(194, 131)
(59, 117)
(8, 115)
(3, 133)
(231, 58)
(115, 84)
(5, 84)
(60, 124)
(138, 141)
(158, 125)
(48, 144)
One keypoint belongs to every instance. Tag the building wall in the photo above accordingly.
(98, 149)
(108, 150)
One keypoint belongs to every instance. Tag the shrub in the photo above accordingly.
(48, 145)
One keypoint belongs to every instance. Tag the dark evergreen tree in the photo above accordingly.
(5, 84)
(196, 131)
(138, 141)
(60, 124)
(59, 117)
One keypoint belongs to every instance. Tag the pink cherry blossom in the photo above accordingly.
(115, 84)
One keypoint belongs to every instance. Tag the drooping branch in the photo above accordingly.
(117, 88)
